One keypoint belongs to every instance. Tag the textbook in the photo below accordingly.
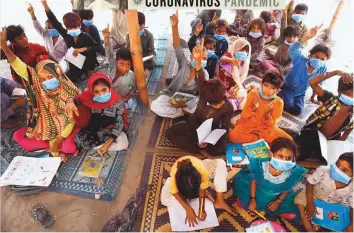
(333, 216)
(77, 61)
(263, 227)
(91, 167)
(29, 171)
(206, 135)
(183, 100)
(235, 154)
(258, 149)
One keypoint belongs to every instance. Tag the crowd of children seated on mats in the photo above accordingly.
(64, 120)
(222, 55)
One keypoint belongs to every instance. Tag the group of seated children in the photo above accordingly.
(61, 119)
(266, 184)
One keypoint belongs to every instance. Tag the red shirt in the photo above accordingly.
(31, 56)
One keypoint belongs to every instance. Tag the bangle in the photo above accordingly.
(253, 197)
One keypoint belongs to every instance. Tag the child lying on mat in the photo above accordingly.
(332, 184)
(189, 179)
(267, 184)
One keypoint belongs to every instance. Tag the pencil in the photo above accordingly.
(201, 207)
(260, 215)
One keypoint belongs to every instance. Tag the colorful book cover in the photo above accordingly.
(91, 167)
(258, 149)
(263, 227)
(333, 216)
(234, 153)
(180, 100)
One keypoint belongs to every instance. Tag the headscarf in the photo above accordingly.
(86, 98)
(47, 117)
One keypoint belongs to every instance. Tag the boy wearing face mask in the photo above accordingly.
(147, 44)
(53, 42)
(267, 184)
(332, 184)
(184, 81)
(304, 69)
(296, 16)
(262, 110)
(334, 118)
(82, 42)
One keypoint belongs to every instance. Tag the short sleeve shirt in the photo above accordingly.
(325, 187)
(198, 164)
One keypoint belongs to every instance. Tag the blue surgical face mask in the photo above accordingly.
(52, 32)
(211, 53)
(316, 63)
(255, 34)
(51, 84)
(242, 56)
(298, 18)
(346, 100)
(102, 98)
(219, 37)
(338, 175)
(141, 32)
(265, 97)
(286, 42)
(87, 23)
(204, 63)
(74, 32)
(281, 165)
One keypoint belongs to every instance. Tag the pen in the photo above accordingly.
(201, 207)
(260, 215)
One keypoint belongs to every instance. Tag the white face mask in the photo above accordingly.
(286, 42)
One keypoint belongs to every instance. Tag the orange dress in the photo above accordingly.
(253, 126)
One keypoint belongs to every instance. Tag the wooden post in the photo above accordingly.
(137, 54)
(336, 14)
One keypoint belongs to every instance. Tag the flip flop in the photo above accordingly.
(41, 214)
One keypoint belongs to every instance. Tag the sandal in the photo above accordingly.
(41, 214)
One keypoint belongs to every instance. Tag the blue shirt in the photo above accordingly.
(298, 79)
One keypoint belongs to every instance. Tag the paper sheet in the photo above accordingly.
(77, 61)
(19, 92)
(214, 136)
(204, 130)
(178, 215)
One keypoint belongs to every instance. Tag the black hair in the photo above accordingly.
(141, 18)
(210, 40)
(259, 22)
(281, 143)
(188, 179)
(321, 48)
(301, 7)
(86, 14)
(124, 54)
(48, 22)
(221, 23)
(342, 86)
(14, 31)
(273, 78)
(348, 157)
(102, 81)
(213, 91)
(266, 16)
(291, 31)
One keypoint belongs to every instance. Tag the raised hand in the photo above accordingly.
(30, 10)
(312, 32)
(106, 33)
(215, 19)
(198, 51)
(174, 19)
(3, 38)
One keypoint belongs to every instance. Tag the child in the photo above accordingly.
(186, 71)
(82, 42)
(297, 16)
(332, 184)
(256, 39)
(220, 33)
(123, 79)
(147, 44)
(334, 118)
(281, 61)
(53, 42)
(262, 110)
(304, 68)
(270, 26)
(189, 179)
(233, 71)
(267, 184)
(212, 104)
(205, 17)
(242, 19)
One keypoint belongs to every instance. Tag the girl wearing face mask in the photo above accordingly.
(333, 184)
(267, 184)
(257, 41)
(82, 42)
(48, 128)
(102, 114)
(262, 110)
(233, 71)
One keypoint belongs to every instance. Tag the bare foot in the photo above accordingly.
(221, 204)
(76, 153)
(209, 196)
(64, 157)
